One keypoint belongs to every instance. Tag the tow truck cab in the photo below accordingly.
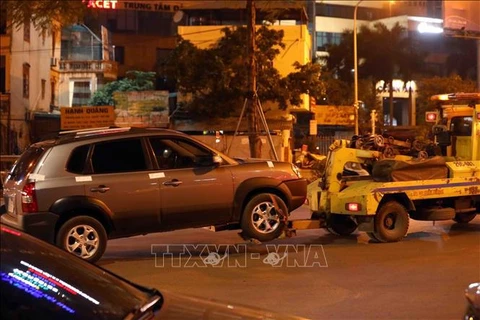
(459, 116)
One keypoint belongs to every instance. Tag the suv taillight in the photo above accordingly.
(29, 198)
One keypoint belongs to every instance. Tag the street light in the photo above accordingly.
(355, 65)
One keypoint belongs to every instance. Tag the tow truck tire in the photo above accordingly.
(391, 222)
(341, 224)
(464, 217)
(260, 220)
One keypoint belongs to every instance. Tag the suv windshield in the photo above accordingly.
(25, 164)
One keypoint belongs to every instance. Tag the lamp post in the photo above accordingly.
(355, 65)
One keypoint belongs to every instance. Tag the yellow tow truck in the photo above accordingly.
(366, 190)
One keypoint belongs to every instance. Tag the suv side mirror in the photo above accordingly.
(207, 161)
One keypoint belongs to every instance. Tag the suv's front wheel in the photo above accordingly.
(261, 220)
(83, 236)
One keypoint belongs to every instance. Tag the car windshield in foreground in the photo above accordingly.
(38, 279)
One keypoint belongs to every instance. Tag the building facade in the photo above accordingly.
(423, 23)
(42, 71)
(26, 89)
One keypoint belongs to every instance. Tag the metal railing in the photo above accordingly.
(88, 66)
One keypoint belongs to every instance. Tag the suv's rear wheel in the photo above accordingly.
(260, 219)
(84, 237)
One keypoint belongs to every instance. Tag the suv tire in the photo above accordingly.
(260, 220)
(84, 237)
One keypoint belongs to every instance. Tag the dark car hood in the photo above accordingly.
(176, 306)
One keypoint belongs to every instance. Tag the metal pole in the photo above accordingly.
(265, 125)
(254, 137)
(478, 65)
(238, 125)
(355, 66)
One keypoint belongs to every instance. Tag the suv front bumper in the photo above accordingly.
(40, 225)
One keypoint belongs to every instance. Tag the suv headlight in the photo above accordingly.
(296, 170)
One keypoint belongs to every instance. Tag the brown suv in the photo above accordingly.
(85, 187)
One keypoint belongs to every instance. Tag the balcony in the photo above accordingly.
(108, 68)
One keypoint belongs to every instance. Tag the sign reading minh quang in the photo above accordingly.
(73, 118)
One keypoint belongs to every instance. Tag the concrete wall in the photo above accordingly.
(140, 51)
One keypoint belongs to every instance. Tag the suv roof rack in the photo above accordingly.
(95, 130)
(74, 134)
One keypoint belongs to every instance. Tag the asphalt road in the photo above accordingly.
(321, 276)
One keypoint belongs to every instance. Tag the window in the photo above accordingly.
(52, 93)
(81, 93)
(54, 36)
(461, 126)
(76, 162)
(126, 20)
(119, 156)
(26, 80)
(155, 23)
(26, 30)
(3, 75)
(119, 54)
(44, 82)
(3, 20)
(177, 153)
(324, 39)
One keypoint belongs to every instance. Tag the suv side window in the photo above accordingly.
(177, 153)
(119, 156)
(77, 160)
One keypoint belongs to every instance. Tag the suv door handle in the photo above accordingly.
(101, 189)
(174, 183)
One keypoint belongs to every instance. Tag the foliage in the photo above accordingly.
(390, 46)
(460, 61)
(428, 87)
(336, 93)
(135, 81)
(383, 54)
(216, 78)
(45, 14)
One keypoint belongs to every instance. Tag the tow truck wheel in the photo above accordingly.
(391, 222)
(341, 224)
(464, 217)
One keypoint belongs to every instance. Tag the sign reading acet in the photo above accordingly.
(72, 118)
(132, 5)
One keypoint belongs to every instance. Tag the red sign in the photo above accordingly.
(431, 116)
(101, 4)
